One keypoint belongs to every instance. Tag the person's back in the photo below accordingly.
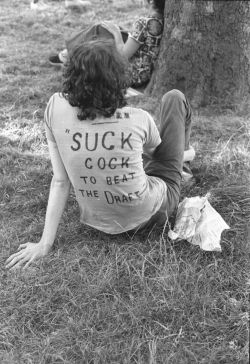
(103, 159)
(96, 144)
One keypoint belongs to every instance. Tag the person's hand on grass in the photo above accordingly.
(26, 254)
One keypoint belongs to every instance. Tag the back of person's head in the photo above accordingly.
(158, 5)
(96, 79)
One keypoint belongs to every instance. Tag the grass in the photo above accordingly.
(112, 299)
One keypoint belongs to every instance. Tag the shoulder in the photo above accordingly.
(49, 110)
(155, 25)
(55, 98)
(59, 103)
(58, 97)
(134, 110)
(57, 107)
(139, 26)
(141, 20)
(151, 24)
(139, 114)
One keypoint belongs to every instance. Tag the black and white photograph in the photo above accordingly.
(124, 181)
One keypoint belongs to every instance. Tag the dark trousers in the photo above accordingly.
(167, 160)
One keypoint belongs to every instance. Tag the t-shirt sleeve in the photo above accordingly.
(48, 118)
(139, 30)
(152, 137)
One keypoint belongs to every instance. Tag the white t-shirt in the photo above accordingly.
(103, 160)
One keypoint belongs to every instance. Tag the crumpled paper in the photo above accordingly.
(198, 223)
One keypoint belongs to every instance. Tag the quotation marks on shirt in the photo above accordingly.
(120, 115)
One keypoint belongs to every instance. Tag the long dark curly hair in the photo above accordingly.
(95, 79)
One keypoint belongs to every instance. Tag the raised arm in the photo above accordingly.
(130, 47)
(59, 192)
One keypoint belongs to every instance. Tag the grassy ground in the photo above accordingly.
(112, 299)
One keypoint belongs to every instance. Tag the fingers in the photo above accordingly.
(18, 253)
(22, 246)
(14, 256)
(15, 260)
(25, 255)
(18, 264)
(21, 256)
(28, 263)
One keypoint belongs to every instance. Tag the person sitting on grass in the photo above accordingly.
(141, 47)
(126, 174)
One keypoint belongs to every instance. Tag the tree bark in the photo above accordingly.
(205, 51)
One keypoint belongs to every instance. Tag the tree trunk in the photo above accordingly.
(206, 46)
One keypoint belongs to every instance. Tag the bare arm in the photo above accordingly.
(130, 47)
(59, 192)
